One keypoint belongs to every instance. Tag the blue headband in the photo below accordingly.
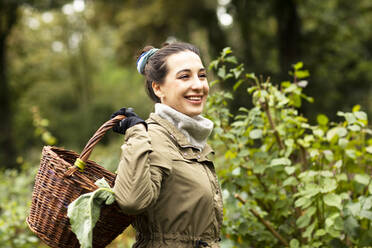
(142, 60)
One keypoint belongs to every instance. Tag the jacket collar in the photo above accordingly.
(181, 140)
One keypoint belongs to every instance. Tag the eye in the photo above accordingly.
(184, 76)
(203, 75)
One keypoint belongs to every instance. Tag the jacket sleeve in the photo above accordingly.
(140, 171)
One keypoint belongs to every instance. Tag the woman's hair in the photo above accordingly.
(156, 68)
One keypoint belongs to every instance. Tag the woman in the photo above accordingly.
(165, 175)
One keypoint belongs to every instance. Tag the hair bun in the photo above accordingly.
(144, 50)
(165, 44)
(143, 58)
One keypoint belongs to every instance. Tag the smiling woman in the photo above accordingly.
(166, 176)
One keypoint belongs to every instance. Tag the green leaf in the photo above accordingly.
(237, 71)
(303, 201)
(280, 161)
(354, 208)
(329, 185)
(320, 232)
(289, 143)
(318, 132)
(213, 65)
(310, 191)
(333, 200)
(290, 169)
(244, 152)
(231, 59)
(360, 115)
(351, 153)
(222, 72)
(290, 181)
(328, 155)
(362, 178)
(331, 134)
(330, 220)
(336, 131)
(322, 119)
(338, 164)
(309, 230)
(255, 134)
(350, 118)
(354, 128)
(367, 205)
(214, 82)
(310, 211)
(302, 83)
(326, 173)
(341, 177)
(356, 108)
(294, 243)
(341, 131)
(237, 84)
(298, 65)
(366, 214)
(302, 74)
(226, 51)
(369, 149)
(259, 168)
(303, 221)
(251, 76)
(351, 226)
(343, 142)
(84, 212)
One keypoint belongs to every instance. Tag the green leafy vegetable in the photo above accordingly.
(84, 211)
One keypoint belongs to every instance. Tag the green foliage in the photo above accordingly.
(16, 192)
(287, 182)
(15, 196)
(41, 125)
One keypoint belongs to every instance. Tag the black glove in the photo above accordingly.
(131, 120)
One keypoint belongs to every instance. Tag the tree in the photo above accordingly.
(10, 14)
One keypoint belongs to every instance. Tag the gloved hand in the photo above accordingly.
(131, 120)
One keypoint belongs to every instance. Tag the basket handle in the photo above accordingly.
(84, 156)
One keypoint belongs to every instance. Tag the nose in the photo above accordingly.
(197, 84)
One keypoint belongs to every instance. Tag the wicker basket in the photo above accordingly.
(58, 182)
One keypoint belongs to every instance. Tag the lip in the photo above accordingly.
(193, 101)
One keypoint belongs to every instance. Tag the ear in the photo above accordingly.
(157, 90)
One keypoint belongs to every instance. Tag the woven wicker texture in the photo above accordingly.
(58, 183)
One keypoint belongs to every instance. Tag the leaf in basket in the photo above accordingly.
(84, 212)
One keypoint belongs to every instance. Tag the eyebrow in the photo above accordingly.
(188, 70)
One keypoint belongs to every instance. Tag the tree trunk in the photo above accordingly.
(244, 15)
(289, 35)
(8, 15)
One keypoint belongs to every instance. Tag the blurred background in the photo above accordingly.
(65, 66)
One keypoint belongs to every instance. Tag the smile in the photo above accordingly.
(195, 99)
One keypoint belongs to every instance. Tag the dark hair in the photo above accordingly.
(156, 68)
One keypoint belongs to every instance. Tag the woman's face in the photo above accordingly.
(185, 87)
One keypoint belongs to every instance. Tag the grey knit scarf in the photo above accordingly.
(196, 129)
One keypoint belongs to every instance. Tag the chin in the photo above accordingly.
(193, 113)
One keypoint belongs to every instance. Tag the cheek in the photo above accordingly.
(206, 88)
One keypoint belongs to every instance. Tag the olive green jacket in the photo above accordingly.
(171, 186)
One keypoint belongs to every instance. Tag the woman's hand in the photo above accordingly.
(131, 120)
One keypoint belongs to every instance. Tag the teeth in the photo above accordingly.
(196, 98)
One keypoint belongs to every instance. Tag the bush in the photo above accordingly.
(287, 182)
(15, 197)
